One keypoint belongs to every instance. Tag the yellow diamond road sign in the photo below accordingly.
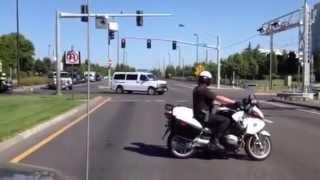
(199, 69)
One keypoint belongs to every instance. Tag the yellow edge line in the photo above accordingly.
(54, 135)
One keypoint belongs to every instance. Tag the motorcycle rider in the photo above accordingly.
(203, 103)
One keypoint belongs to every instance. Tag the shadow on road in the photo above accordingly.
(163, 152)
(149, 150)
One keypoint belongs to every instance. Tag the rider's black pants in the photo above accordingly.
(218, 124)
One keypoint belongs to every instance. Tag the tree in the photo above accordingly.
(170, 71)
(39, 67)
(156, 72)
(8, 52)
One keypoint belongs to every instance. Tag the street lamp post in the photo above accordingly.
(197, 49)
(17, 43)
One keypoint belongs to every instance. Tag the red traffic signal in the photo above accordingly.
(123, 43)
(149, 43)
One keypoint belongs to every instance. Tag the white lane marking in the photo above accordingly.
(172, 88)
(159, 100)
(181, 101)
(191, 86)
(268, 121)
(289, 106)
(312, 112)
(278, 104)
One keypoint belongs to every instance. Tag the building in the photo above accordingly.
(316, 30)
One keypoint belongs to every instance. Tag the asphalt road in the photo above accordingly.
(126, 144)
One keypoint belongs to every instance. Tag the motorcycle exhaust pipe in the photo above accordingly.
(201, 142)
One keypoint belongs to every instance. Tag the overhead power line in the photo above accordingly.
(240, 42)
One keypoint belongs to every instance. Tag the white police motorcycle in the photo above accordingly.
(246, 131)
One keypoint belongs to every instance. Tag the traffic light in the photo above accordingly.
(139, 19)
(174, 45)
(84, 10)
(111, 34)
(123, 43)
(149, 43)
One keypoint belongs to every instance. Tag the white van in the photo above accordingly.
(66, 80)
(91, 74)
(138, 81)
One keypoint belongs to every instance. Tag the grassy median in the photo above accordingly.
(18, 113)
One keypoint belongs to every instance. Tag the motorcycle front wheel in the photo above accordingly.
(180, 147)
(258, 149)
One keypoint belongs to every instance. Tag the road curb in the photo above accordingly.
(6, 144)
(296, 104)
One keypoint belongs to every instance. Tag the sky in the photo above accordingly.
(233, 20)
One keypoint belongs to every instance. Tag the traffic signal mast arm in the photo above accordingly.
(107, 15)
(282, 23)
(171, 40)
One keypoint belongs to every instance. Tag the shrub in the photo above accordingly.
(33, 80)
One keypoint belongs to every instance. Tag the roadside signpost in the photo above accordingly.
(109, 64)
(72, 58)
(199, 69)
(0, 66)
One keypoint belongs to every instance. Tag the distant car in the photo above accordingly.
(66, 80)
(5, 84)
(91, 75)
(106, 77)
(98, 77)
(77, 79)
(315, 88)
(138, 81)
(249, 85)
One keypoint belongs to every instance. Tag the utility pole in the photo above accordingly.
(179, 55)
(271, 59)
(109, 68)
(197, 49)
(206, 55)
(88, 95)
(49, 50)
(18, 43)
(218, 62)
(306, 47)
(118, 47)
(57, 37)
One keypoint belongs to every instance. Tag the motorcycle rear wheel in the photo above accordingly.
(180, 147)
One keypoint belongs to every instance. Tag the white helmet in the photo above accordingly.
(205, 78)
(206, 74)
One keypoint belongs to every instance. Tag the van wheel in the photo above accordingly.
(151, 91)
(119, 90)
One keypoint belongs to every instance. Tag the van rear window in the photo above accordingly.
(119, 77)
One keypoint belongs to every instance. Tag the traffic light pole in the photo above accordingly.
(271, 60)
(109, 68)
(217, 47)
(57, 37)
(67, 15)
(118, 47)
(306, 48)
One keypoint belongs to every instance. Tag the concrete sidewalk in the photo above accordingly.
(28, 88)
(314, 104)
